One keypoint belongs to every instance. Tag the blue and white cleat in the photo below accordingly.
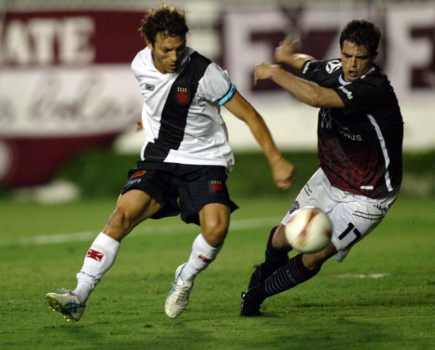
(178, 297)
(67, 304)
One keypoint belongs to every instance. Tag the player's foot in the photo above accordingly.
(249, 306)
(178, 297)
(67, 304)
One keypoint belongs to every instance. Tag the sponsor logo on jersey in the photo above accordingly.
(347, 92)
(332, 66)
(132, 182)
(216, 186)
(346, 132)
(95, 254)
(149, 87)
(182, 95)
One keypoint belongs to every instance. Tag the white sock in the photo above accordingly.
(200, 258)
(99, 259)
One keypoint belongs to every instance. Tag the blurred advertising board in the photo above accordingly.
(65, 86)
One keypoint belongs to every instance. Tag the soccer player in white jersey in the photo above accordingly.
(184, 161)
(360, 134)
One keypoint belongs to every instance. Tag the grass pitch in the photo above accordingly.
(381, 297)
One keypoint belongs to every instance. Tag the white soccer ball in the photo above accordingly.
(308, 230)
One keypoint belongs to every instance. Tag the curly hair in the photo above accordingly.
(163, 19)
(361, 33)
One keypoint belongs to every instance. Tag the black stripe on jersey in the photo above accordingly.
(176, 109)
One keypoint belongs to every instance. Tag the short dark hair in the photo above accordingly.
(361, 33)
(163, 19)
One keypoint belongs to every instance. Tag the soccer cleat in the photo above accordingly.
(249, 306)
(178, 297)
(67, 304)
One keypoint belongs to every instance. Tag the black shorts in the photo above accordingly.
(184, 189)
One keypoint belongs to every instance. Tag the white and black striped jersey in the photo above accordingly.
(181, 112)
(359, 146)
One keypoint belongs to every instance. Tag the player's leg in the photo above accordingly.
(205, 201)
(277, 248)
(214, 219)
(295, 271)
(276, 255)
(280, 273)
(353, 218)
(352, 221)
(133, 206)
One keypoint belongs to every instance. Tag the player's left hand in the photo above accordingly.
(285, 49)
(284, 173)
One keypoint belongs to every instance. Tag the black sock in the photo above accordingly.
(292, 273)
(274, 258)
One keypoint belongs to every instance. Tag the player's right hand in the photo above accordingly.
(284, 174)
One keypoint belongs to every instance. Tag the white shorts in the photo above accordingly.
(353, 217)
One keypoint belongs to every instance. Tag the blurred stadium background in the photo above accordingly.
(66, 88)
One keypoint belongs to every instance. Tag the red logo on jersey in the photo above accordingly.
(182, 95)
(95, 254)
(216, 186)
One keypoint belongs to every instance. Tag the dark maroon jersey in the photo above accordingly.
(359, 146)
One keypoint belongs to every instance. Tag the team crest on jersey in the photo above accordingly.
(332, 66)
(149, 87)
(182, 94)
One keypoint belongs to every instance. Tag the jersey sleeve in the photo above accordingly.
(361, 94)
(215, 85)
(318, 71)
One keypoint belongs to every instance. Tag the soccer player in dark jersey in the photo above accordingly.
(360, 134)
(184, 163)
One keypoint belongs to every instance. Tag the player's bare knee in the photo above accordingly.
(214, 233)
(119, 224)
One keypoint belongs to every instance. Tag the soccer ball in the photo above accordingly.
(308, 230)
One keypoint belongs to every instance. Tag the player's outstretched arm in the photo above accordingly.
(283, 172)
(304, 90)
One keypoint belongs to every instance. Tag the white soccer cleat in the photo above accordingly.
(67, 304)
(178, 297)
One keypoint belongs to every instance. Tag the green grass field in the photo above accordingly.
(381, 297)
